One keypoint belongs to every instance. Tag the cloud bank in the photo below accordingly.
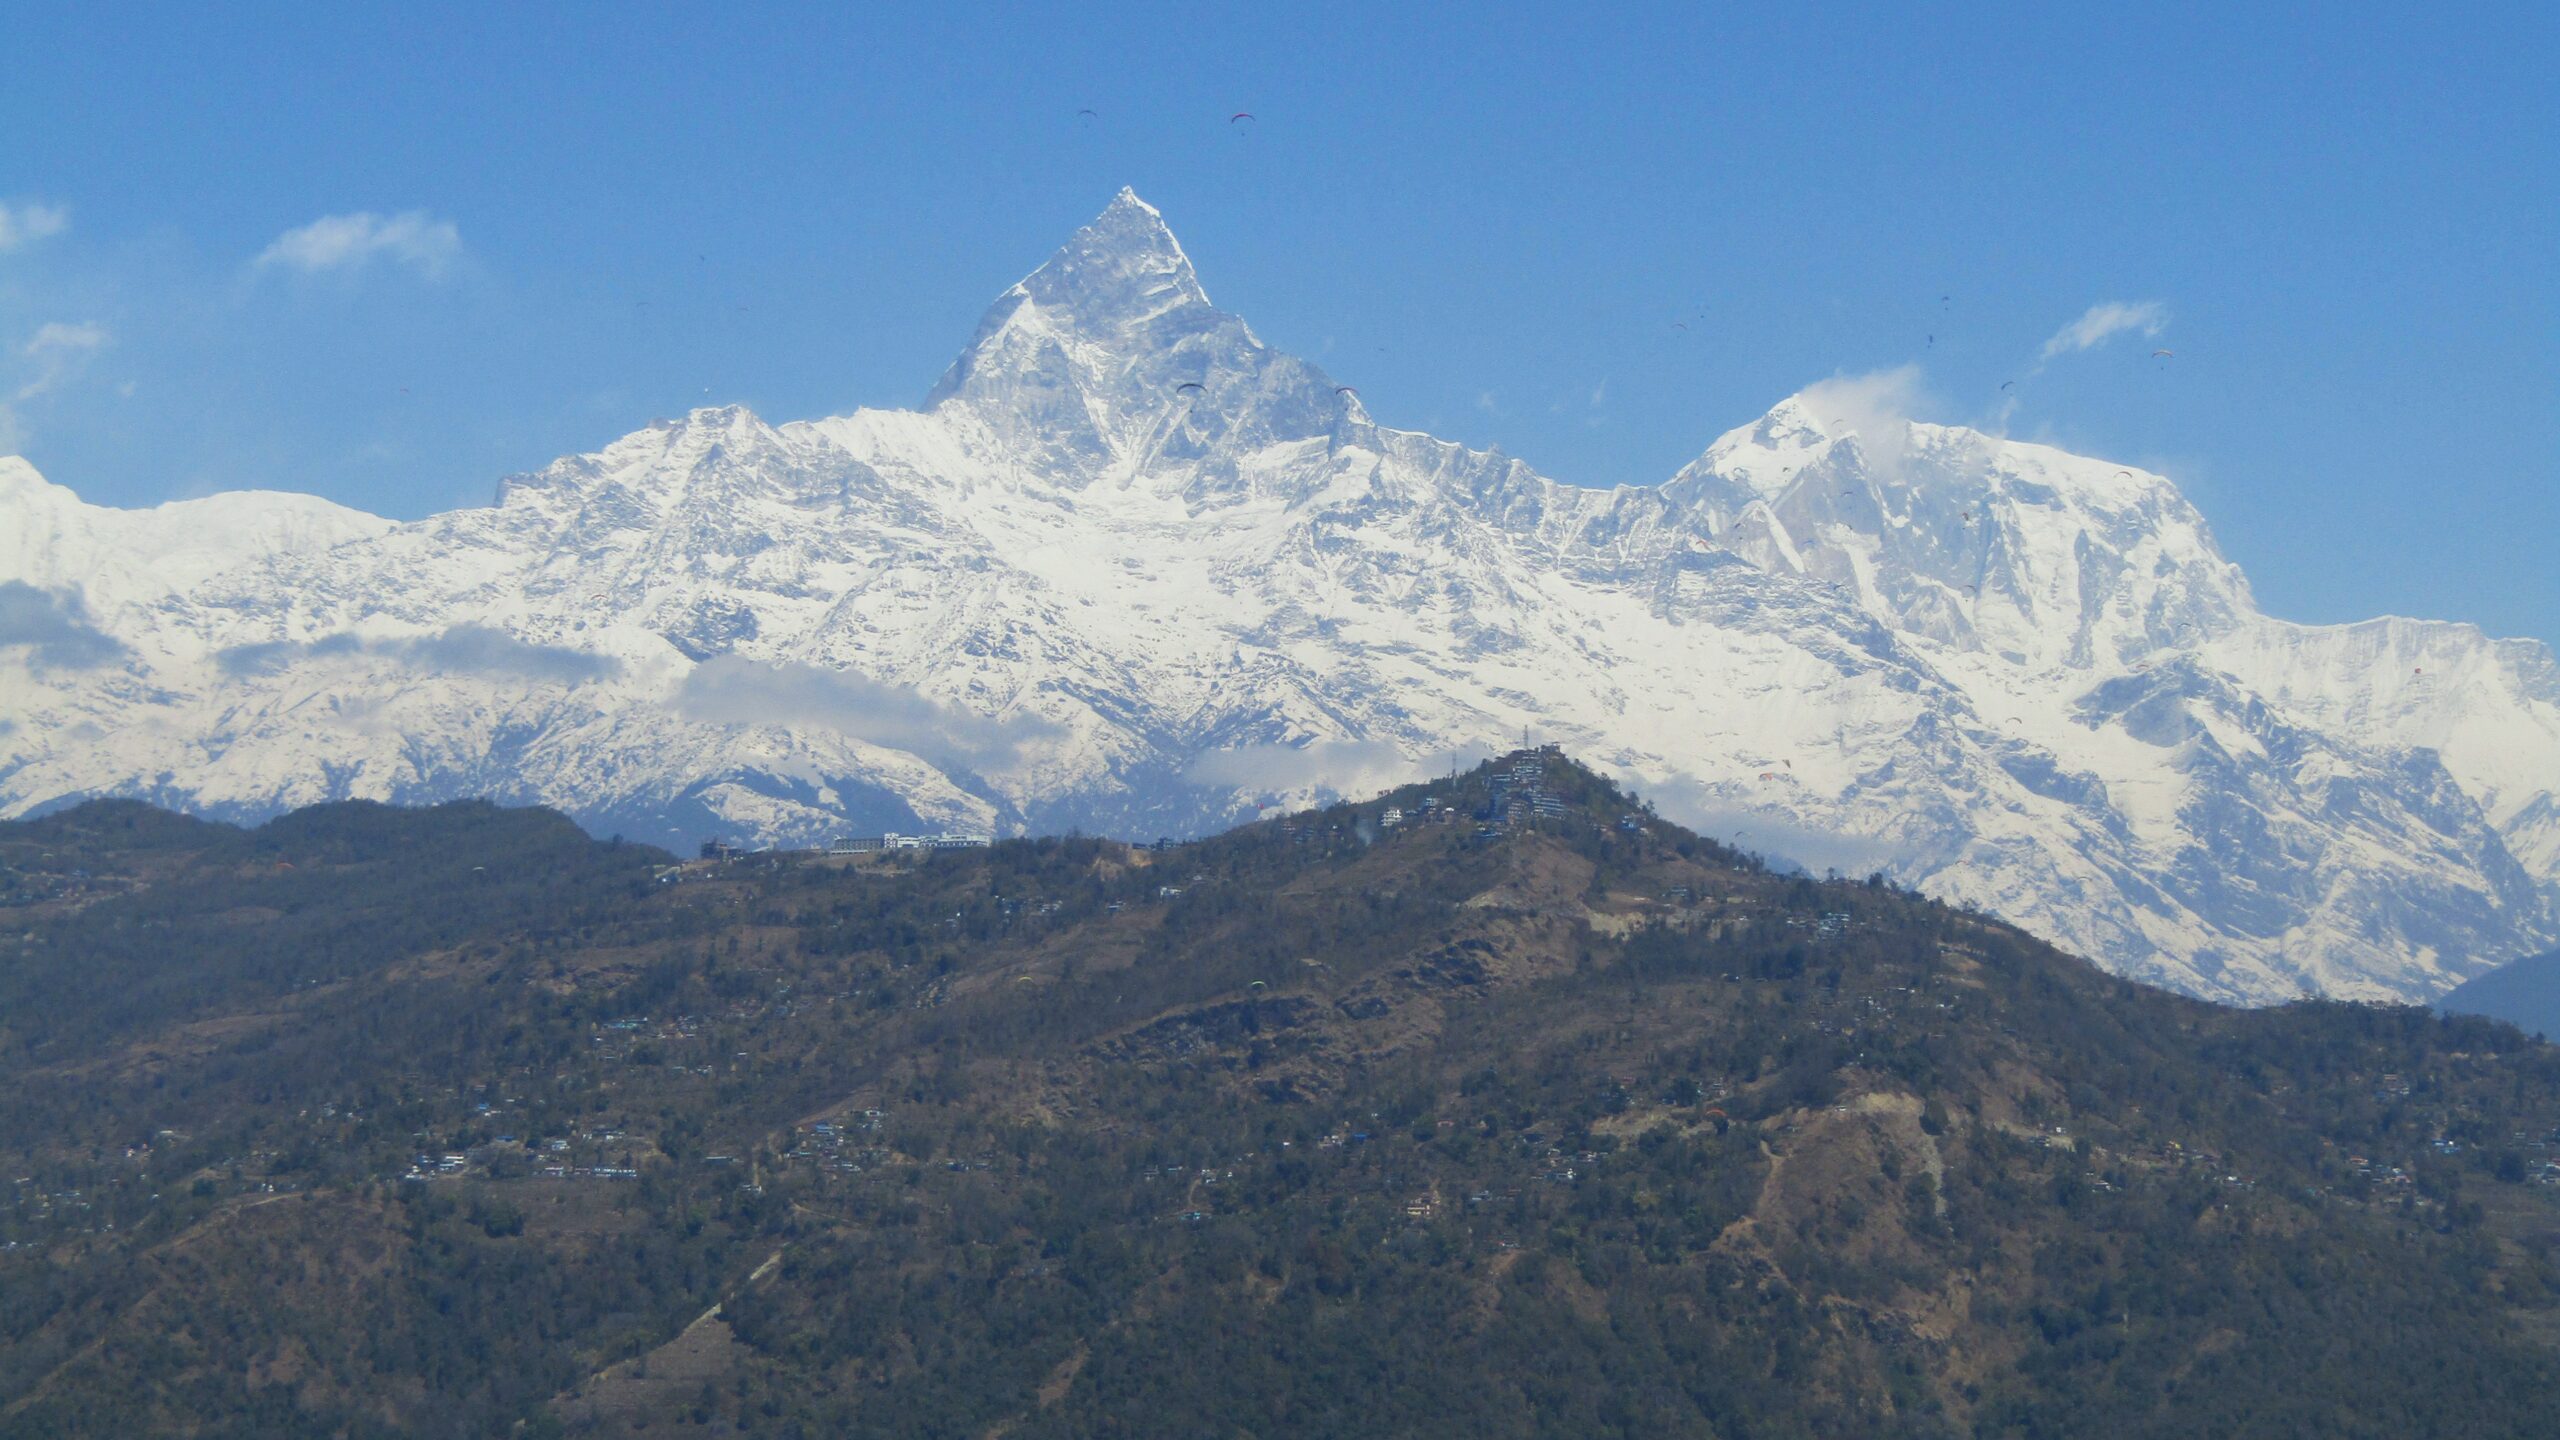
(349, 242)
(1774, 835)
(1343, 767)
(2103, 322)
(55, 627)
(463, 650)
(25, 224)
(727, 690)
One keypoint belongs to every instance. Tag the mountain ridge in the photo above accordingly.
(1496, 1103)
(1131, 570)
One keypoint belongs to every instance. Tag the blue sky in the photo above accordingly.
(1492, 219)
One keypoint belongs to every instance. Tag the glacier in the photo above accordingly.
(1128, 569)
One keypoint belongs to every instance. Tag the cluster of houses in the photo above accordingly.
(717, 849)
(430, 1167)
(830, 1145)
(1829, 925)
(1520, 791)
(867, 844)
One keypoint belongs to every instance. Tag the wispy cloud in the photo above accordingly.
(57, 350)
(2103, 322)
(466, 649)
(27, 223)
(41, 364)
(347, 242)
(1875, 407)
(1342, 767)
(55, 627)
(727, 690)
(1778, 836)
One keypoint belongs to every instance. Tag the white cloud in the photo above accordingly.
(727, 690)
(465, 649)
(1773, 835)
(1875, 407)
(57, 347)
(25, 224)
(346, 242)
(1340, 767)
(47, 360)
(55, 628)
(2103, 322)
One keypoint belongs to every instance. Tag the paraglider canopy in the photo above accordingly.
(1242, 115)
(1344, 390)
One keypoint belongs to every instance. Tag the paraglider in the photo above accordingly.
(2162, 354)
(1088, 115)
(1344, 390)
(1190, 385)
(1242, 115)
(2005, 384)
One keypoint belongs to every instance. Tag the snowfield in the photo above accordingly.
(1132, 571)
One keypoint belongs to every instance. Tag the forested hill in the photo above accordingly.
(1495, 1107)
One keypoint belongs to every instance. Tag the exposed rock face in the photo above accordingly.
(1131, 570)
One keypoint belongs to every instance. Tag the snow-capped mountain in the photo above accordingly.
(1131, 570)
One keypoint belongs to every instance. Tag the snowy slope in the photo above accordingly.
(1130, 569)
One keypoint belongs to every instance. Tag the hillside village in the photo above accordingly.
(1476, 1016)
